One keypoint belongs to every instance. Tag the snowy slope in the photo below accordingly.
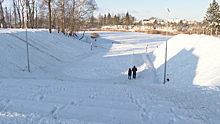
(46, 52)
(192, 59)
(70, 83)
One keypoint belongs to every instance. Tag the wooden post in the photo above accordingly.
(211, 31)
(91, 45)
(146, 48)
(203, 31)
(216, 32)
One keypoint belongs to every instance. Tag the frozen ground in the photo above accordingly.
(70, 83)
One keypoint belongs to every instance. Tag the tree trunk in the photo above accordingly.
(2, 14)
(36, 16)
(32, 13)
(15, 14)
(53, 16)
(10, 16)
(27, 17)
(22, 14)
(73, 17)
(63, 16)
(57, 24)
(19, 14)
(49, 10)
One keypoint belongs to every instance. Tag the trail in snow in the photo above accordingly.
(92, 86)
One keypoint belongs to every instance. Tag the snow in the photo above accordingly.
(192, 59)
(70, 83)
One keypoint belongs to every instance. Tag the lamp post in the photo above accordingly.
(27, 40)
(165, 67)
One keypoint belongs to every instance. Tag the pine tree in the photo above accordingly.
(127, 19)
(211, 18)
(116, 20)
(109, 17)
(104, 19)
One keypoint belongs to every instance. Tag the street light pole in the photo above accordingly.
(165, 68)
(27, 41)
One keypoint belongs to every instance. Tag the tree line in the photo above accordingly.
(75, 15)
(59, 14)
(111, 19)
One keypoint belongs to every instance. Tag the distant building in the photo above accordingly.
(183, 21)
(193, 23)
(174, 20)
(150, 20)
(153, 20)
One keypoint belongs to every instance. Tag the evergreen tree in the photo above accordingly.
(109, 19)
(127, 19)
(116, 20)
(104, 19)
(212, 16)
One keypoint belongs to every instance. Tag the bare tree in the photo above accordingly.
(22, 12)
(2, 14)
(36, 16)
(81, 10)
(7, 17)
(49, 12)
(32, 13)
(53, 14)
(19, 14)
(29, 14)
(43, 5)
(15, 14)
(58, 13)
(62, 16)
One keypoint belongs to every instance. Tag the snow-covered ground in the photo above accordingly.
(70, 83)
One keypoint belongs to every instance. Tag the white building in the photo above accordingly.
(153, 20)
(177, 21)
(174, 20)
(150, 20)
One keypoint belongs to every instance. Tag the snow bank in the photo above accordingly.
(192, 59)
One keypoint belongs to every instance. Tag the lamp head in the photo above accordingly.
(167, 9)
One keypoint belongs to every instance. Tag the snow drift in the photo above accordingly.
(192, 59)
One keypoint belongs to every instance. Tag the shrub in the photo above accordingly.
(94, 35)
(154, 32)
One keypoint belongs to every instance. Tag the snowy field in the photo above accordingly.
(71, 84)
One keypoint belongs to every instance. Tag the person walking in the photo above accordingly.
(129, 73)
(134, 69)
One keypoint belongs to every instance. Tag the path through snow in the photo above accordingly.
(92, 86)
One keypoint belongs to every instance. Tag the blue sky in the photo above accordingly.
(190, 10)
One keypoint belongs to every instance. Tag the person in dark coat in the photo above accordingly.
(129, 73)
(134, 69)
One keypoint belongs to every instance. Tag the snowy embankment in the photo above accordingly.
(192, 59)
(70, 83)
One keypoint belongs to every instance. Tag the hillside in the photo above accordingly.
(192, 59)
(70, 83)
(46, 52)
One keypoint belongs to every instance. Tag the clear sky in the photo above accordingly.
(191, 10)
